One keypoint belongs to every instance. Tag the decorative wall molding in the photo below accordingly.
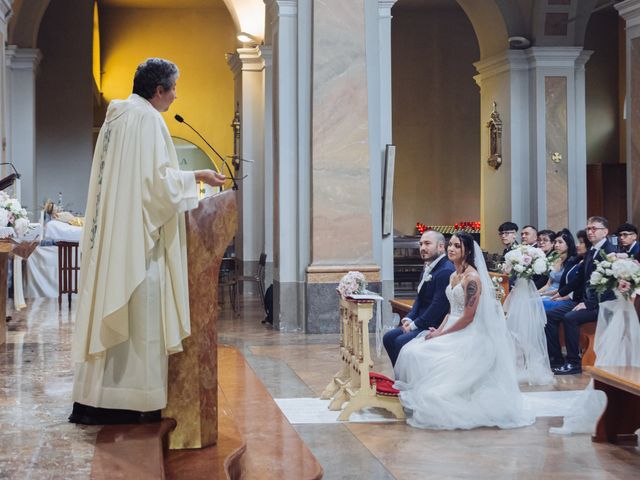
(251, 59)
(630, 11)
(22, 58)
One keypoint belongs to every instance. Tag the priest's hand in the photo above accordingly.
(210, 177)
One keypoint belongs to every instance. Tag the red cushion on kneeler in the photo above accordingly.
(384, 385)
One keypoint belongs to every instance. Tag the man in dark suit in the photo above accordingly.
(579, 311)
(628, 239)
(431, 304)
(529, 235)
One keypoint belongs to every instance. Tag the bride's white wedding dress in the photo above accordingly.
(464, 379)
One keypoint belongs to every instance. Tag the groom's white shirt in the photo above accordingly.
(427, 271)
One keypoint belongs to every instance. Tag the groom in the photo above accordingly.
(431, 304)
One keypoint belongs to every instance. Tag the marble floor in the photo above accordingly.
(37, 442)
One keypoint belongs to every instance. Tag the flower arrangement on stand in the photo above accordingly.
(13, 218)
(353, 283)
(618, 273)
(526, 261)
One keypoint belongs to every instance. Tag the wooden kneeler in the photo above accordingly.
(354, 383)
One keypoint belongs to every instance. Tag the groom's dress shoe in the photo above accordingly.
(556, 364)
(568, 369)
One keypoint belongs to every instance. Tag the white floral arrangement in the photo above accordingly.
(616, 271)
(353, 283)
(526, 261)
(12, 215)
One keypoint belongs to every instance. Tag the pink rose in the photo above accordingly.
(526, 260)
(624, 286)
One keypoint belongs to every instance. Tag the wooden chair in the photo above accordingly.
(228, 279)
(68, 269)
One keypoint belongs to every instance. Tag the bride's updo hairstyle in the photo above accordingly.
(467, 245)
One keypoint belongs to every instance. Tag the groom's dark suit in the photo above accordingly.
(429, 309)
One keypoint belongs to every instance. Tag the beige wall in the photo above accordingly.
(436, 115)
(601, 82)
(196, 40)
(64, 112)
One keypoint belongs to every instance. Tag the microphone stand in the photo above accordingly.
(233, 178)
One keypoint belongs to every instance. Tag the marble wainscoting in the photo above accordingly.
(555, 89)
(322, 300)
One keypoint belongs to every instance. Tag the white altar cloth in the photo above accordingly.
(42, 273)
(62, 232)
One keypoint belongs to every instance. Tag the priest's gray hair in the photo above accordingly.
(153, 72)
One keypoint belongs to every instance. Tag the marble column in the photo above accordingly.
(341, 209)
(290, 35)
(267, 56)
(384, 116)
(540, 97)
(558, 146)
(504, 193)
(247, 66)
(22, 65)
(630, 11)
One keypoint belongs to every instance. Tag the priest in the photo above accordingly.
(133, 300)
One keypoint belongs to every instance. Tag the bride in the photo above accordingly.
(462, 375)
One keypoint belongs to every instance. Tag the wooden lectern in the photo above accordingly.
(193, 373)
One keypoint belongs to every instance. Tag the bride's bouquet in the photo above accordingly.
(616, 272)
(353, 283)
(526, 261)
(12, 216)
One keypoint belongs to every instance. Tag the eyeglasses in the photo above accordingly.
(544, 240)
(506, 232)
(593, 229)
(626, 234)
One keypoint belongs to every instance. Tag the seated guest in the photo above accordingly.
(546, 239)
(564, 270)
(574, 313)
(507, 232)
(431, 304)
(529, 235)
(628, 239)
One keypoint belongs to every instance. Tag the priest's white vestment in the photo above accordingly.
(133, 299)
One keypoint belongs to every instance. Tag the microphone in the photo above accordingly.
(9, 180)
(13, 168)
(180, 119)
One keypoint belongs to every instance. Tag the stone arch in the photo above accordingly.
(493, 21)
(247, 15)
(25, 22)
